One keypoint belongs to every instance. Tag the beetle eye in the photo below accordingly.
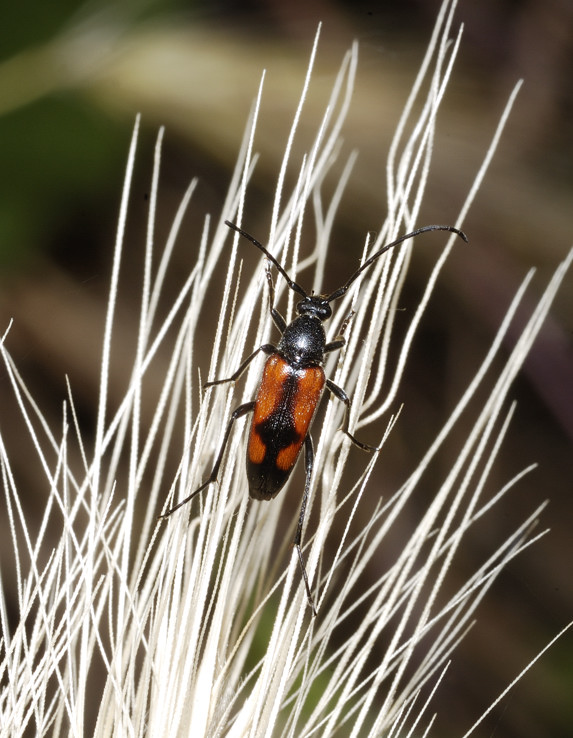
(325, 311)
(305, 306)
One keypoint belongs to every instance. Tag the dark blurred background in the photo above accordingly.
(71, 80)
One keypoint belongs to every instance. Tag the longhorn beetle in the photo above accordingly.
(290, 390)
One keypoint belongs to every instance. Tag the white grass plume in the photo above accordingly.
(159, 624)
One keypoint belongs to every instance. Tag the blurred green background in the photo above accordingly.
(72, 78)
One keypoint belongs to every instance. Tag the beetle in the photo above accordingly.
(292, 384)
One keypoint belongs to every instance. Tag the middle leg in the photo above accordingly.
(237, 413)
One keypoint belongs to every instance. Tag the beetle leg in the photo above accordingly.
(339, 341)
(278, 319)
(237, 413)
(308, 465)
(347, 320)
(341, 395)
(266, 348)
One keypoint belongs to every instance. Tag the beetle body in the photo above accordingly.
(291, 387)
(285, 406)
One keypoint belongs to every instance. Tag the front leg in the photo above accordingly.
(278, 319)
(339, 341)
